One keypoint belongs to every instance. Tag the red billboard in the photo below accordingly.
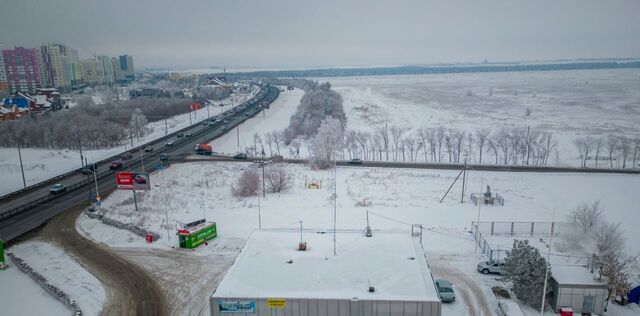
(124, 180)
(195, 106)
(133, 181)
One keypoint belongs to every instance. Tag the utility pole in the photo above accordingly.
(135, 200)
(95, 179)
(263, 193)
(335, 198)
(164, 194)
(142, 158)
(238, 133)
(166, 128)
(259, 214)
(480, 201)
(190, 122)
(137, 131)
(80, 146)
(131, 135)
(546, 273)
(90, 188)
(464, 178)
(24, 182)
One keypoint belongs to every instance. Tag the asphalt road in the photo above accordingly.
(426, 165)
(25, 211)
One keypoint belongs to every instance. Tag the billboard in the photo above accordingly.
(138, 181)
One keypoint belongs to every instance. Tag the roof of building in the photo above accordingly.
(574, 275)
(392, 262)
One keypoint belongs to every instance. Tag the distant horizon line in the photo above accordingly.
(236, 69)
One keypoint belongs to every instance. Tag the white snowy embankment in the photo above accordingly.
(63, 272)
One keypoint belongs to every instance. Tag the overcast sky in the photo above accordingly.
(300, 33)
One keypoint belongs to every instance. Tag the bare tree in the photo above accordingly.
(625, 149)
(396, 134)
(613, 270)
(247, 184)
(587, 216)
(612, 147)
(636, 149)
(384, 136)
(410, 143)
(277, 178)
(598, 144)
(609, 238)
(481, 136)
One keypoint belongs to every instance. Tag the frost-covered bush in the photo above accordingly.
(248, 183)
(277, 179)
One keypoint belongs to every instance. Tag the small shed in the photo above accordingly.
(634, 294)
(575, 287)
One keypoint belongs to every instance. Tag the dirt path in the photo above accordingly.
(469, 291)
(130, 290)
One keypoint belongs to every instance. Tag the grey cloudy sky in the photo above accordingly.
(299, 33)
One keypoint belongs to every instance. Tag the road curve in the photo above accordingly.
(130, 290)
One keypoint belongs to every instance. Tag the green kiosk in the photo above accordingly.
(1, 253)
(196, 233)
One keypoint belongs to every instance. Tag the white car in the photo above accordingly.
(491, 266)
(168, 143)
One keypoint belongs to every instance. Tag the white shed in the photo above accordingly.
(576, 287)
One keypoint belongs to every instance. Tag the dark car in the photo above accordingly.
(57, 188)
(140, 179)
(180, 135)
(187, 134)
(240, 156)
(88, 169)
(277, 158)
(164, 157)
(355, 161)
(115, 165)
(126, 156)
(148, 149)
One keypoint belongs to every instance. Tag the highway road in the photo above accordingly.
(26, 210)
(427, 165)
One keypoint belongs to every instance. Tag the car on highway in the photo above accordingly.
(168, 143)
(355, 161)
(445, 291)
(225, 121)
(491, 266)
(247, 114)
(57, 188)
(187, 134)
(242, 156)
(148, 149)
(140, 179)
(218, 120)
(180, 135)
(115, 165)
(164, 157)
(126, 156)
(88, 169)
(224, 127)
(277, 158)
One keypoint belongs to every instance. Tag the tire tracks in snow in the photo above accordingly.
(470, 292)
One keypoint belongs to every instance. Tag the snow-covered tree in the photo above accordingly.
(526, 268)
(326, 144)
(277, 178)
(248, 183)
(587, 216)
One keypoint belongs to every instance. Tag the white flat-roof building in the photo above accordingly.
(387, 274)
(575, 287)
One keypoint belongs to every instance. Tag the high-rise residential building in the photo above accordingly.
(92, 71)
(56, 64)
(75, 67)
(126, 67)
(3, 77)
(21, 69)
(109, 77)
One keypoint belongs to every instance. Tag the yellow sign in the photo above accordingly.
(276, 302)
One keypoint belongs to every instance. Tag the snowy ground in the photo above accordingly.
(63, 272)
(396, 197)
(15, 286)
(566, 103)
(42, 164)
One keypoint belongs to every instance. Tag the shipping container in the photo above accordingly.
(193, 237)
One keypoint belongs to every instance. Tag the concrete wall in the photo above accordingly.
(321, 307)
(573, 296)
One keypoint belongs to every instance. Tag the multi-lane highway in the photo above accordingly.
(27, 209)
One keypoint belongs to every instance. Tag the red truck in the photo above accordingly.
(203, 149)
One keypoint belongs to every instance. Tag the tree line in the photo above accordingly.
(618, 149)
(92, 125)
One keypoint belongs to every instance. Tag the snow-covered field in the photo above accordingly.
(42, 164)
(567, 103)
(63, 272)
(20, 295)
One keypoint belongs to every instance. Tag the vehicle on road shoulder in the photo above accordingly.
(445, 291)
(355, 161)
(187, 134)
(57, 188)
(491, 266)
